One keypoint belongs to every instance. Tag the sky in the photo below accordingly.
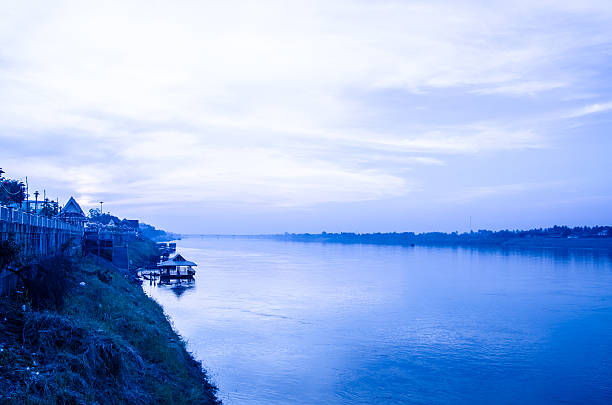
(243, 117)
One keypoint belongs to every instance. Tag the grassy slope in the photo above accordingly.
(108, 343)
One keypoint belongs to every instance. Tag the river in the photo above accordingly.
(311, 323)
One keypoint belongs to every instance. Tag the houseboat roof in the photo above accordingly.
(176, 260)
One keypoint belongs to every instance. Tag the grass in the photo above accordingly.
(143, 252)
(107, 343)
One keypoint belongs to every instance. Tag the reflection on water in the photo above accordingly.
(309, 323)
(181, 288)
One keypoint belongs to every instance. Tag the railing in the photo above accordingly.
(15, 216)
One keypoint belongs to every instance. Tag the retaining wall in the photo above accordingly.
(36, 235)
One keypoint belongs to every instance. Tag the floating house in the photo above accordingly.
(176, 268)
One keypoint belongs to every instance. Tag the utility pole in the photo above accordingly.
(36, 194)
(27, 196)
(98, 258)
(470, 223)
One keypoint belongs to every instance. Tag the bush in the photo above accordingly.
(9, 253)
(143, 253)
(48, 282)
(80, 355)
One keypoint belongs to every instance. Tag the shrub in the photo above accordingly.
(48, 281)
(9, 253)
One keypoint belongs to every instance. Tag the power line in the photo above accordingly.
(8, 192)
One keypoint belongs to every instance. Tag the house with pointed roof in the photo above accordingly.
(73, 213)
(172, 268)
(112, 223)
(177, 260)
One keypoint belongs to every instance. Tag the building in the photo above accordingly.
(111, 239)
(171, 269)
(72, 213)
(132, 224)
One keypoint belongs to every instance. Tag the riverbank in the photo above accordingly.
(89, 335)
(502, 240)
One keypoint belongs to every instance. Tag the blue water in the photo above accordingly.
(309, 323)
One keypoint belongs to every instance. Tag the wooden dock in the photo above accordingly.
(161, 276)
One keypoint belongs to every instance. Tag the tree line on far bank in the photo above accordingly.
(481, 236)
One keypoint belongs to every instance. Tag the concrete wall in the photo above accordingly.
(37, 236)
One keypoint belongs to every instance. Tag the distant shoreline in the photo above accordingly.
(510, 243)
(376, 239)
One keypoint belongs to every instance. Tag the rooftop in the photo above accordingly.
(176, 260)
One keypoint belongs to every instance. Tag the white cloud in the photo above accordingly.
(522, 88)
(469, 194)
(590, 109)
(255, 101)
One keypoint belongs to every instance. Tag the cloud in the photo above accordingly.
(521, 88)
(167, 167)
(256, 102)
(590, 109)
(469, 194)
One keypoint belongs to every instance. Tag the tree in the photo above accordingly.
(49, 209)
(11, 191)
(96, 216)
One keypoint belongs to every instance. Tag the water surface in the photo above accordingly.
(309, 323)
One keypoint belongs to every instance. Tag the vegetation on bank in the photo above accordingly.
(81, 332)
(157, 235)
(146, 230)
(481, 237)
(143, 253)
